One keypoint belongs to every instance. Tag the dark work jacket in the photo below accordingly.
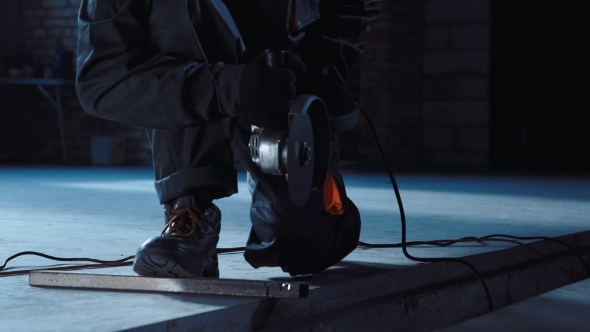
(151, 63)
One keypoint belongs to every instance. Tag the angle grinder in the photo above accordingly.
(302, 152)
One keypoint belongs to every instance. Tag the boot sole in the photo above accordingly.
(169, 257)
(160, 264)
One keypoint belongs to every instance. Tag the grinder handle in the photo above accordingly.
(274, 59)
(340, 124)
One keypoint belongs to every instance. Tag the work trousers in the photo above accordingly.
(301, 240)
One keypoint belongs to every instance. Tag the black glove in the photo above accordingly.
(333, 94)
(266, 93)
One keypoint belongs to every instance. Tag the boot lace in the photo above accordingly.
(185, 222)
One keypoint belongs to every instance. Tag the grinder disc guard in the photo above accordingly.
(308, 147)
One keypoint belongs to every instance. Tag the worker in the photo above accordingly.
(192, 72)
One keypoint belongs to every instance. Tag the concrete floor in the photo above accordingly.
(107, 213)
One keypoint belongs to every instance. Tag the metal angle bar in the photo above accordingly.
(203, 286)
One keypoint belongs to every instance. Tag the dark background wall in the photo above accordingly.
(425, 80)
(456, 69)
(28, 122)
(9, 46)
(450, 84)
(390, 84)
(9, 32)
(541, 84)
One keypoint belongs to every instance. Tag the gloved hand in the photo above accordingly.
(266, 93)
(335, 96)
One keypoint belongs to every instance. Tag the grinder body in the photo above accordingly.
(301, 153)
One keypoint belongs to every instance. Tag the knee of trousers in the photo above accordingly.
(301, 240)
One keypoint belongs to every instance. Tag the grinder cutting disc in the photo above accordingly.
(308, 147)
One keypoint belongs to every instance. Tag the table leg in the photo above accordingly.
(58, 106)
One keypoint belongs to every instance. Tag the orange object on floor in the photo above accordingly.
(332, 201)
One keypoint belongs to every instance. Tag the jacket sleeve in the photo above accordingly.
(121, 77)
(337, 40)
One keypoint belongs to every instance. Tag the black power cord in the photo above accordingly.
(447, 243)
(403, 220)
(586, 265)
(361, 245)
(403, 245)
(60, 259)
(85, 259)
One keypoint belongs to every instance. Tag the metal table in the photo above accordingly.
(41, 83)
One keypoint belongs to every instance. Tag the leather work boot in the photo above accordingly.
(187, 245)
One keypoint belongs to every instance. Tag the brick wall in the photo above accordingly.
(9, 34)
(390, 83)
(424, 79)
(43, 23)
(456, 74)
